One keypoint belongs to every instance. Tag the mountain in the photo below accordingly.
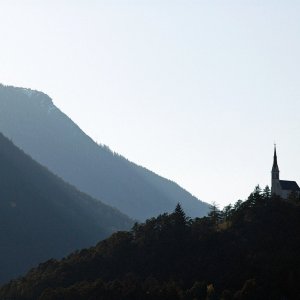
(43, 217)
(247, 251)
(31, 120)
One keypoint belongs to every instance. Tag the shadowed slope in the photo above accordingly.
(41, 216)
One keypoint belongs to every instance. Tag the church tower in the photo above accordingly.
(282, 188)
(275, 176)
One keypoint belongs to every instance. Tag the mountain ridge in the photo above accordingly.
(55, 141)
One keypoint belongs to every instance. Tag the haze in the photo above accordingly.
(197, 91)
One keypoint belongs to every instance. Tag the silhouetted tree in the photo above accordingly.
(227, 211)
(267, 193)
(237, 205)
(179, 215)
(255, 197)
(214, 213)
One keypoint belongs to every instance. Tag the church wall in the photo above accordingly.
(285, 194)
(276, 189)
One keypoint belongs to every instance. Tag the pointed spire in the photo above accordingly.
(275, 165)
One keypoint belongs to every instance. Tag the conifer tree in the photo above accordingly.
(215, 213)
(267, 193)
(179, 215)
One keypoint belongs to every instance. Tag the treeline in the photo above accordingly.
(249, 250)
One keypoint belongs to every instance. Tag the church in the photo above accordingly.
(282, 188)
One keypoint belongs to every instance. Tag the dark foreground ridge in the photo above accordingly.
(41, 216)
(247, 251)
(31, 120)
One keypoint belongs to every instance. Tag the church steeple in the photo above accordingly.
(282, 188)
(275, 169)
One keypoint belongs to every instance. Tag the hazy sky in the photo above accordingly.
(196, 91)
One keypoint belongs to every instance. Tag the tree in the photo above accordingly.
(266, 193)
(215, 213)
(255, 197)
(179, 215)
(227, 211)
(237, 205)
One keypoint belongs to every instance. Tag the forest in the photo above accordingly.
(249, 250)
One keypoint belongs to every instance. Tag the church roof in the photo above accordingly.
(289, 185)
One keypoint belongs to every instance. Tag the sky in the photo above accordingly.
(196, 91)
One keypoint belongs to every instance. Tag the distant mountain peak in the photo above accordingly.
(28, 92)
(38, 96)
(37, 126)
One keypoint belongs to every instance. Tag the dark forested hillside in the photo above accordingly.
(34, 124)
(247, 251)
(42, 217)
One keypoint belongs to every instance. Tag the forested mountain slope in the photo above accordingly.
(34, 124)
(247, 251)
(42, 217)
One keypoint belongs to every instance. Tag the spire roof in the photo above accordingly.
(275, 165)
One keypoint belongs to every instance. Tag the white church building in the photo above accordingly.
(282, 188)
